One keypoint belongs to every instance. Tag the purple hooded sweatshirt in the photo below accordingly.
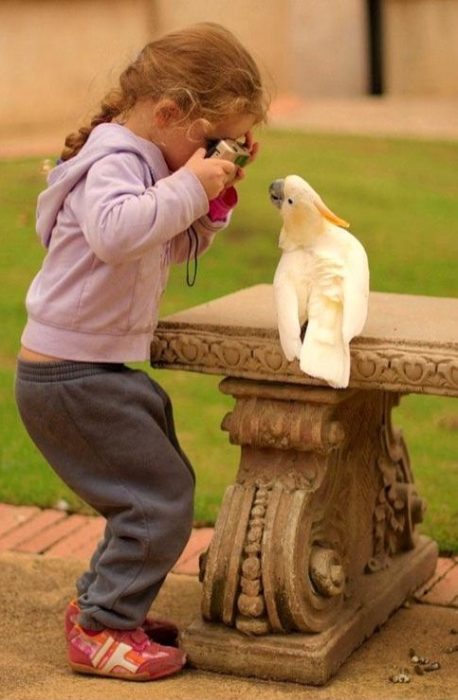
(113, 219)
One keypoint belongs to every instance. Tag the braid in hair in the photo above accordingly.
(111, 107)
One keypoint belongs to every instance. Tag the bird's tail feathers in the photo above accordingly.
(324, 360)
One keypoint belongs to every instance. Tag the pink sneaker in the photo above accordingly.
(160, 631)
(126, 654)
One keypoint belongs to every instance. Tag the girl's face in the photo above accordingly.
(182, 141)
(161, 124)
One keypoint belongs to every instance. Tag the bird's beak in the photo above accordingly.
(328, 214)
(277, 192)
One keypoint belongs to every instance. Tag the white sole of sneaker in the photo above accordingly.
(91, 671)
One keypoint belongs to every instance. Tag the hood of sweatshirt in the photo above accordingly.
(104, 140)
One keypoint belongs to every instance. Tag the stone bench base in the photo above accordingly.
(311, 658)
(315, 543)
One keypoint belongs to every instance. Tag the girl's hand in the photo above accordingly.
(214, 173)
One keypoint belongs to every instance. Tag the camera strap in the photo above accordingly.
(193, 243)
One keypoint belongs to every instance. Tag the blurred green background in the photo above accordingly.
(401, 199)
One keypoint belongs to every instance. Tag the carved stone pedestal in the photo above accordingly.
(315, 545)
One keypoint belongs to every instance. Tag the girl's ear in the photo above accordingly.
(198, 129)
(166, 113)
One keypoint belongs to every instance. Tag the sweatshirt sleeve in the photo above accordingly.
(205, 228)
(123, 218)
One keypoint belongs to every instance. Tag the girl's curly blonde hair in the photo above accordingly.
(204, 69)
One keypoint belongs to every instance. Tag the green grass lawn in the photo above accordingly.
(401, 199)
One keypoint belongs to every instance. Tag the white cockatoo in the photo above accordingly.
(322, 278)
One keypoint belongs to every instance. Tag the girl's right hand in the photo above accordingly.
(214, 173)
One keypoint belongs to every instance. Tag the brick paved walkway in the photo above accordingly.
(54, 533)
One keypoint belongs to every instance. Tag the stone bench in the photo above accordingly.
(315, 544)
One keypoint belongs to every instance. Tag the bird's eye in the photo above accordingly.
(290, 200)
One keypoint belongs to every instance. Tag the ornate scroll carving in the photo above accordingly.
(264, 423)
(251, 604)
(398, 507)
(279, 578)
(324, 493)
(278, 533)
(396, 366)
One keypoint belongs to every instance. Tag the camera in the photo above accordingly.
(228, 149)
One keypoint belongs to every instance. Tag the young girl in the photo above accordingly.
(120, 207)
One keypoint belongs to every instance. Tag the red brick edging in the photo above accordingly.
(55, 533)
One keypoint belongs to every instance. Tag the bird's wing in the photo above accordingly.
(287, 306)
(355, 290)
(323, 353)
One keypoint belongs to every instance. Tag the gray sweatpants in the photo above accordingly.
(108, 432)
